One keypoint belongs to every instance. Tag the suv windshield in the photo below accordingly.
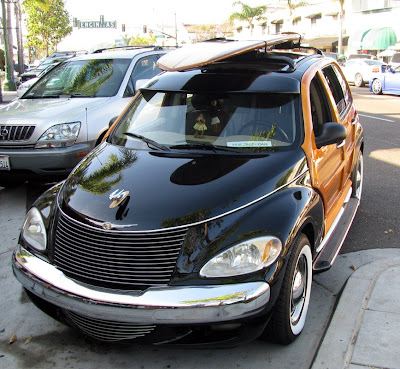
(86, 78)
(255, 122)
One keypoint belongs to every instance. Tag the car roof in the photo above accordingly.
(278, 68)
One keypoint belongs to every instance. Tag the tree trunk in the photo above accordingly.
(17, 10)
(10, 41)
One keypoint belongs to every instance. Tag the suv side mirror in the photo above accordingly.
(140, 83)
(332, 133)
(111, 122)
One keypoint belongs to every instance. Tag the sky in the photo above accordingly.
(201, 11)
(134, 14)
(155, 14)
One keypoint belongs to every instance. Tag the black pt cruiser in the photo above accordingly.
(227, 182)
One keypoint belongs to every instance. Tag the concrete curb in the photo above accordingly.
(341, 338)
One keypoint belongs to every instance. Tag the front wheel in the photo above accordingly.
(377, 87)
(288, 319)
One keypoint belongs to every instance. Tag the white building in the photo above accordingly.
(375, 22)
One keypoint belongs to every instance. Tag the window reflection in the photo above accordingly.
(84, 78)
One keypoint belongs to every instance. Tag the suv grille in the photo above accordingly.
(15, 133)
(115, 259)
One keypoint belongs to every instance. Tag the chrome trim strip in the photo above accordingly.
(202, 221)
(156, 305)
(335, 223)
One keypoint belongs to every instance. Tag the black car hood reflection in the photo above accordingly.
(168, 191)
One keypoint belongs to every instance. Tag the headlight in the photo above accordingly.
(246, 257)
(34, 231)
(60, 135)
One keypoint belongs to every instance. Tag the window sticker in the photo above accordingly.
(249, 144)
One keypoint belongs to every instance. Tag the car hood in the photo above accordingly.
(38, 111)
(168, 189)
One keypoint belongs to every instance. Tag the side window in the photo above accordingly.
(146, 68)
(320, 110)
(338, 87)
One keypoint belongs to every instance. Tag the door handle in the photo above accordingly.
(341, 144)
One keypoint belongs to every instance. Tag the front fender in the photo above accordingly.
(283, 214)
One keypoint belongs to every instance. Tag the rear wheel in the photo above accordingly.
(358, 80)
(357, 177)
(377, 87)
(288, 319)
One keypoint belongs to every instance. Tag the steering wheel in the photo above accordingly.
(261, 123)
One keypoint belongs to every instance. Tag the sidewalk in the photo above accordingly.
(365, 329)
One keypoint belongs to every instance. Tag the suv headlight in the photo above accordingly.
(245, 257)
(60, 135)
(34, 231)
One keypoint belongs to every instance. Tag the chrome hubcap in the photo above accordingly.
(299, 289)
(359, 178)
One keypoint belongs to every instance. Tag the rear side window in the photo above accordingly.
(338, 87)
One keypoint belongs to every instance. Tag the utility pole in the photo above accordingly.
(8, 83)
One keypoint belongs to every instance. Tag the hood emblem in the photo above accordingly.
(117, 197)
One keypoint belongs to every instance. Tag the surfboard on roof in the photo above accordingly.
(207, 52)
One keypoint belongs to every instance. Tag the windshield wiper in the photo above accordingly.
(54, 96)
(148, 141)
(202, 146)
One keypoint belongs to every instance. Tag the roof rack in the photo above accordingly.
(268, 60)
(133, 47)
(57, 54)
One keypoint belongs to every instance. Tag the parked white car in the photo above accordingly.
(360, 71)
(60, 119)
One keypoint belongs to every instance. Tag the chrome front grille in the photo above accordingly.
(106, 330)
(15, 133)
(116, 259)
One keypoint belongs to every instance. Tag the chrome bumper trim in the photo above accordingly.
(156, 305)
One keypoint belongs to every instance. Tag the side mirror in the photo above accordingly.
(112, 120)
(332, 133)
(140, 83)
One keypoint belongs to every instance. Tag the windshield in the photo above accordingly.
(254, 122)
(87, 78)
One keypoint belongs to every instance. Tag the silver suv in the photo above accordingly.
(63, 116)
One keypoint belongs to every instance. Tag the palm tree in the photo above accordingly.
(249, 14)
(292, 5)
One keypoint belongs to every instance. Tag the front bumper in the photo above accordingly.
(156, 305)
(44, 162)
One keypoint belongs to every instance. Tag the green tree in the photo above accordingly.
(138, 40)
(292, 5)
(47, 24)
(249, 14)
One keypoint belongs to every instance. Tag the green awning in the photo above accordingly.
(355, 39)
(379, 39)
